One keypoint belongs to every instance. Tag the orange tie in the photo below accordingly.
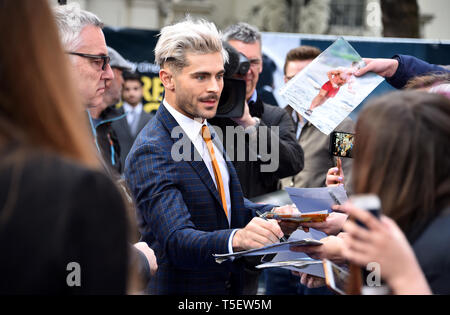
(207, 137)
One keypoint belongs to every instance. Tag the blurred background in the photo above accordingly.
(391, 18)
(375, 28)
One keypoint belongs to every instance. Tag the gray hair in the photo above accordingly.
(71, 20)
(243, 32)
(195, 36)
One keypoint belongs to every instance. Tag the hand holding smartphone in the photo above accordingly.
(336, 278)
(341, 144)
(369, 202)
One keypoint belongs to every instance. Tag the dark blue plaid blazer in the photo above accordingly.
(180, 215)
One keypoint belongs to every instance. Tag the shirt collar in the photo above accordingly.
(254, 97)
(191, 127)
(127, 108)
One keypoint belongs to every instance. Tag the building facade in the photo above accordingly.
(335, 17)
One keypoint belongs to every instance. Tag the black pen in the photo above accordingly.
(336, 201)
(333, 196)
(283, 239)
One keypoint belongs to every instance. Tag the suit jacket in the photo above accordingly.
(180, 214)
(289, 159)
(124, 135)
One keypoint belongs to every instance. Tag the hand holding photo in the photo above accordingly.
(326, 91)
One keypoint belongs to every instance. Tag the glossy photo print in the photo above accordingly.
(327, 91)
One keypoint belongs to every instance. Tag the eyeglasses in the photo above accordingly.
(105, 59)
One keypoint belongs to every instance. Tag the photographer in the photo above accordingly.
(268, 126)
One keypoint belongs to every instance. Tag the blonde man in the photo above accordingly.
(190, 203)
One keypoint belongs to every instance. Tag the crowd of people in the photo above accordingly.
(100, 199)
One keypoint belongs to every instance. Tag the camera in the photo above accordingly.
(232, 100)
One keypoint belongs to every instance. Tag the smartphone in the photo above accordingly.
(336, 278)
(341, 144)
(369, 202)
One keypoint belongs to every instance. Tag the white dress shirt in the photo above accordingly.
(133, 115)
(192, 128)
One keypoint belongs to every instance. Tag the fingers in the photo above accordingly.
(287, 209)
(311, 281)
(355, 257)
(264, 232)
(339, 167)
(356, 231)
(365, 69)
(304, 279)
(364, 216)
(312, 251)
(338, 208)
(333, 177)
(333, 171)
(334, 180)
(315, 225)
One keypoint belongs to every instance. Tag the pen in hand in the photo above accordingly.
(283, 239)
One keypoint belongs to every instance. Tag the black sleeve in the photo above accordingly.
(290, 157)
(96, 238)
(409, 67)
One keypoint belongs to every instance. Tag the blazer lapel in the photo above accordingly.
(195, 159)
(143, 119)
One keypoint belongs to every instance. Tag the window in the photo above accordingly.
(347, 13)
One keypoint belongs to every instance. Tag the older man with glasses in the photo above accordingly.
(82, 37)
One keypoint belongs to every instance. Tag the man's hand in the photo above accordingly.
(256, 234)
(149, 254)
(287, 227)
(384, 67)
(246, 120)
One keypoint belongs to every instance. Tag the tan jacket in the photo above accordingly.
(318, 160)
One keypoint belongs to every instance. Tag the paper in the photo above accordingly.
(296, 261)
(270, 249)
(308, 200)
(313, 199)
(308, 266)
(326, 91)
(299, 264)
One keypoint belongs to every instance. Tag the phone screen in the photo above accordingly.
(335, 277)
(341, 144)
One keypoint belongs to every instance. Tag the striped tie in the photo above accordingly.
(206, 135)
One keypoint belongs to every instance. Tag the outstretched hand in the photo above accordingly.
(383, 67)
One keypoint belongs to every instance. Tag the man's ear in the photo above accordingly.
(167, 79)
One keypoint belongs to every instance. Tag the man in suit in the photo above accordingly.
(127, 129)
(104, 115)
(190, 203)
